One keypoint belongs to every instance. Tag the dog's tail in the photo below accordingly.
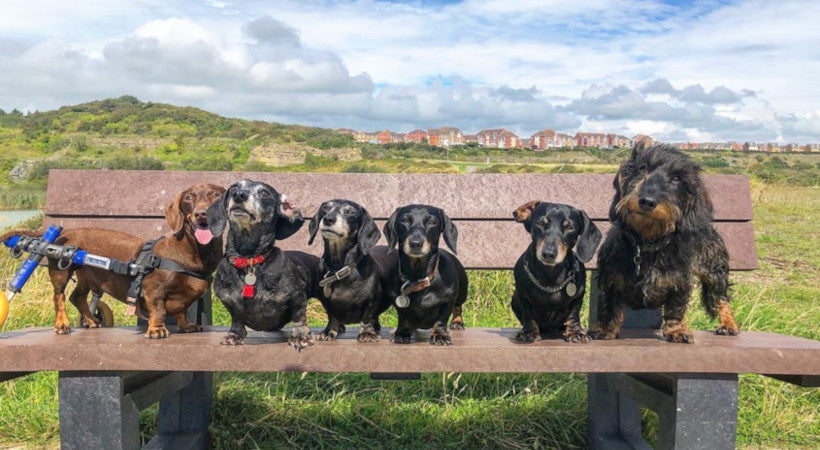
(31, 233)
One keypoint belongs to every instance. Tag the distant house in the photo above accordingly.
(364, 136)
(346, 130)
(583, 139)
(417, 136)
(735, 146)
(545, 139)
(497, 138)
(445, 136)
(616, 141)
(468, 138)
(567, 140)
(750, 147)
(814, 148)
(773, 147)
(642, 139)
(793, 147)
(388, 137)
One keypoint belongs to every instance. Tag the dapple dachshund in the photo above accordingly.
(550, 278)
(261, 286)
(661, 236)
(358, 282)
(435, 282)
(191, 245)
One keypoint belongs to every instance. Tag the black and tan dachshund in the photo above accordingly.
(550, 278)
(261, 286)
(434, 281)
(359, 281)
(662, 236)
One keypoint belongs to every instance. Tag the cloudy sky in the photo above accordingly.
(702, 70)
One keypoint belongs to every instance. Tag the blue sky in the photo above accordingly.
(702, 70)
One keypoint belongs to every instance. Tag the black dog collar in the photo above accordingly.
(568, 283)
(340, 274)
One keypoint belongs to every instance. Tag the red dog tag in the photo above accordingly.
(247, 291)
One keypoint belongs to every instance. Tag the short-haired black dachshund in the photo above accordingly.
(261, 286)
(434, 281)
(661, 236)
(550, 279)
(359, 281)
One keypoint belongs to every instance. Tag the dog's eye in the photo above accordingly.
(432, 222)
(676, 179)
(215, 194)
(188, 197)
(642, 167)
(567, 225)
(264, 193)
(404, 220)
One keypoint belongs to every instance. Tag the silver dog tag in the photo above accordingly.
(571, 290)
(327, 291)
(250, 279)
(402, 301)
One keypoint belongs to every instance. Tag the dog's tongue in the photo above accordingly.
(203, 236)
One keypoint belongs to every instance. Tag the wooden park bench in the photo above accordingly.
(106, 376)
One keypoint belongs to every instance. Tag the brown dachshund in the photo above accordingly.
(164, 292)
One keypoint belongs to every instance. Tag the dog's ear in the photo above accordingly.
(589, 238)
(288, 219)
(173, 213)
(613, 207)
(522, 213)
(313, 226)
(697, 214)
(218, 215)
(368, 233)
(390, 231)
(450, 232)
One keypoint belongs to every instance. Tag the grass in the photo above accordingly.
(455, 410)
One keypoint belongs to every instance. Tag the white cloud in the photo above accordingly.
(745, 70)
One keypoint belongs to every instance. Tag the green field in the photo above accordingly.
(464, 410)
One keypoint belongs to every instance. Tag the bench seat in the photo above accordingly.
(473, 350)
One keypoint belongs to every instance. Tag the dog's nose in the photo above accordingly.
(647, 203)
(201, 216)
(240, 195)
(415, 243)
(548, 253)
(329, 220)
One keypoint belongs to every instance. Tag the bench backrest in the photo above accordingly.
(480, 204)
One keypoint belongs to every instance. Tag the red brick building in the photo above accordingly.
(545, 139)
(616, 141)
(497, 138)
(590, 139)
(417, 136)
(445, 136)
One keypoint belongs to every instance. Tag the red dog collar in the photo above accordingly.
(241, 263)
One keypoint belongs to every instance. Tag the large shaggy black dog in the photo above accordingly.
(661, 236)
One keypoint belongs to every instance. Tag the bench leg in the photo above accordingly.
(184, 415)
(95, 413)
(614, 418)
(704, 414)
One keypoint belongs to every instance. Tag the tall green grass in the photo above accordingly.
(455, 410)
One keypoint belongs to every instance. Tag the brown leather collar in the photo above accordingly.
(410, 287)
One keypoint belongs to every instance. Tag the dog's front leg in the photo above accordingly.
(368, 331)
(523, 311)
(439, 334)
(404, 331)
(236, 335)
(156, 316)
(573, 331)
(301, 336)
(610, 314)
(331, 330)
(674, 325)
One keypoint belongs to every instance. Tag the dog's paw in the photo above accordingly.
(457, 324)
(90, 322)
(724, 330)
(327, 335)
(232, 339)
(577, 336)
(680, 335)
(401, 338)
(602, 334)
(367, 334)
(342, 328)
(440, 338)
(301, 338)
(62, 328)
(189, 328)
(157, 332)
(527, 336)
